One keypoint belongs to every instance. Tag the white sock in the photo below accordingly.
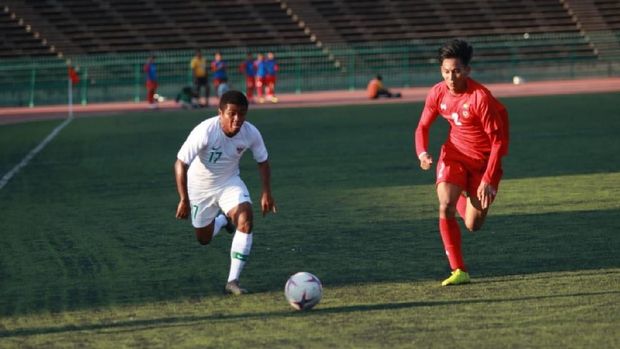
(239, 253)
(220, 221)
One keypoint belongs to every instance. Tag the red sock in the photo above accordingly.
(451, 237)
(461, 206)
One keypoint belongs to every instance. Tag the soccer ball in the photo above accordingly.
(303, 290)
(517, 80)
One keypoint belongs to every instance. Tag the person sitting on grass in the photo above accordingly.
(188, 98)
(376, 89)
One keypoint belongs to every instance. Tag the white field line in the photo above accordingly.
(7, 177)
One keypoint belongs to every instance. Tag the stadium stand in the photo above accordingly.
(19, 39)
(610, 10)
(104, 26)
(598, 20)
(344, 39)
(108, 26)
(371, 20)
(364, 21)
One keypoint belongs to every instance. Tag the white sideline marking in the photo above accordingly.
(7, 177)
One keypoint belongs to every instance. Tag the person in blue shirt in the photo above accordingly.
(261, 75)
(150, 69)
(218, 67)
(248, 69)
(271, 67)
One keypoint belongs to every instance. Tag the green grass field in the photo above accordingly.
(91, 255)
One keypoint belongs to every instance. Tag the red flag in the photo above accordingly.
(73, 76)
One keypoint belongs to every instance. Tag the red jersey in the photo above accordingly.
(478, 124)
(73, 76)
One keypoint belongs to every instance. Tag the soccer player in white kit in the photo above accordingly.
(207, 180)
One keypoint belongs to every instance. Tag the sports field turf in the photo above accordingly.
(91, 255)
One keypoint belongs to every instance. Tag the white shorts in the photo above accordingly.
(226, 197)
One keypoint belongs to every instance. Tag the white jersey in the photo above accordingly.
(213, 157)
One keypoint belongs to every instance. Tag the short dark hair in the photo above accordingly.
(233, 97)
(456, 48)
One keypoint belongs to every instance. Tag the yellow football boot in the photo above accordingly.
(458, 277)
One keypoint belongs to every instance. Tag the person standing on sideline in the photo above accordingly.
(249, 70)
(271, 72)
(218, 67)
(150, 69)
(207, 180)
(469, 168)
(261, 73)
(200, 78)
(73, 74)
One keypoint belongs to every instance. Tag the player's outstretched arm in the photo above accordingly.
(180, 175)
(267, 202)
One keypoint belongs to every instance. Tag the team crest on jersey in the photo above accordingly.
(240, 150)
(465, 111)
(443, 106)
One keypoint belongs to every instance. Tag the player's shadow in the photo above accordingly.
(507, 245)
(549, 242)
(140, 325)
(406, 251)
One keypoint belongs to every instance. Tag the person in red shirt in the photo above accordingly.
(469, 167)
(73, 75)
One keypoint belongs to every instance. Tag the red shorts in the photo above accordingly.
(270, 79)
(250, 81)
(217, 82)
(151, 85)
(467, 173)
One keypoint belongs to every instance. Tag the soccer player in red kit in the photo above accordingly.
(469, 168)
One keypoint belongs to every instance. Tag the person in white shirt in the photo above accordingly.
(208, 182)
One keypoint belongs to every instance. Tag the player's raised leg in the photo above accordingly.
(475, 214)
(461, 205)
(448, 195)
(207, 222)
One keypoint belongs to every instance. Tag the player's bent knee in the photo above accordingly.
(204, 236)
(447, 210)
(474, 226)
(471, 228)
(243, 217)
(244, 225)
(203, 241)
